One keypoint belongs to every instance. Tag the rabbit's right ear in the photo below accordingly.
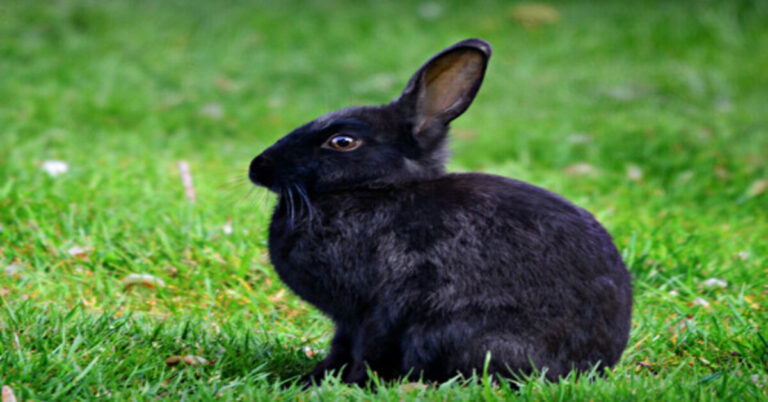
(445, 86)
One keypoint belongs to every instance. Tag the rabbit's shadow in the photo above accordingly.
(235, 350)
(274, 361)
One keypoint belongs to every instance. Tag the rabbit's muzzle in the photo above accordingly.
(262, 171)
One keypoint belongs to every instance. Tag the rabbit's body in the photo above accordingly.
(432, 275)
(425, 272)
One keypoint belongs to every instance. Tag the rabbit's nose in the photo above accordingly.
(262, 171)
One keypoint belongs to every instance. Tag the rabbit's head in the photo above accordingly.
(403, 141)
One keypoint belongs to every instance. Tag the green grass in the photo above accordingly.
(123, 90)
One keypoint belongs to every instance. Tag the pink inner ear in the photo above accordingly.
(446, 85)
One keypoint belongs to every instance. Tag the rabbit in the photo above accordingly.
(428, 274)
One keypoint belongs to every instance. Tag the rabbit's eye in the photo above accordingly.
(343, 143)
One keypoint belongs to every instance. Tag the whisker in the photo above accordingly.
(232, 186)
(264, 198)
(238, 176)
(303, 194)
(289, 191)
(299, 201)
(245, 196)
(233, 182)
(260, 201)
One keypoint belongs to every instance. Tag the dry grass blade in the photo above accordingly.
(186, 180)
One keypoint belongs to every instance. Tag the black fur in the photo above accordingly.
(425, 272)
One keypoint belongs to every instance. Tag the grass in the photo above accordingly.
(650, 114)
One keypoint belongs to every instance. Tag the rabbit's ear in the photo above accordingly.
(445, 86)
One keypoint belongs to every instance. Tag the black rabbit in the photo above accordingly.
(426, 273)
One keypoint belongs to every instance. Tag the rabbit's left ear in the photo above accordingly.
(445, 86)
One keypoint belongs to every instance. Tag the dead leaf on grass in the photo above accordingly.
(751, 303)
(309, 352)
(172, 271)
(189, 360)
(581, 169)
(55, 168)
(684, 177)
(701, 302)
(223, 83)
(634, 173)
(278, 296)
(411, 386)
(146, 280)
(532, 15)
(79, 251)
(714, 283)
(429, 10)
(8, 394)
(212, 111)
(227, 228)
(580, 138)
(644, 363)
(13, 269)
(722, 173)
(757, 188)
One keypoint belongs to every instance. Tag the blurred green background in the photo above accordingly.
(651, 114)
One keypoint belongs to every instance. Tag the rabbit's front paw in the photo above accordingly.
(357, 375)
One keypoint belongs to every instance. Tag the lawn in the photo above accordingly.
(652, 115)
